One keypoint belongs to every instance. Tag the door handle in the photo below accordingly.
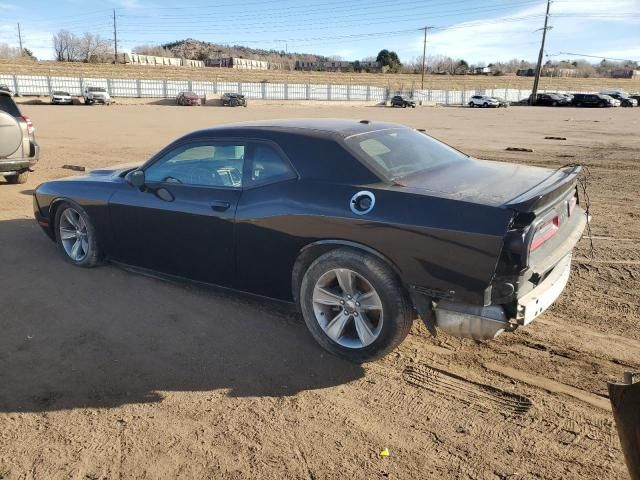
(220, 206)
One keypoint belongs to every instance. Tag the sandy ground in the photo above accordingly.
(107, 374)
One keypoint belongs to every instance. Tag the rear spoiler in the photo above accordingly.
(547, 192)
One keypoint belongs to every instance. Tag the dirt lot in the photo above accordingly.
(107, 374)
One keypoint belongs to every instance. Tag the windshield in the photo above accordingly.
(96, 89)
(189, 94)
(398, 153)
(61, 93)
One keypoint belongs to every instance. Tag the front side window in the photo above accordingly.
(398, 153)
(207, 164)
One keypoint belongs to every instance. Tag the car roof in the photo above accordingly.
(323, 126)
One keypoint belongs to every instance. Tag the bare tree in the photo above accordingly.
(7, 51)
(93, 48)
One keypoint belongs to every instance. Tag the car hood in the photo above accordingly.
(108, 174)
(490, 183)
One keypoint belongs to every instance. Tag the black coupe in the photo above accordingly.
(363, 224)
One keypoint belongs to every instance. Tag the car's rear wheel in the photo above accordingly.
(17, 178)
(76, 236)
(354, 305)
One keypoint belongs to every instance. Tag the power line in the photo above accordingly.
(593, 56)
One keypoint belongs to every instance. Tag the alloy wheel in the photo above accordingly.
(347, 308)
(74, 234)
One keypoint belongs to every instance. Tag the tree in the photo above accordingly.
(93, 48)
(7, 51)
(390, 60)
(26, 53)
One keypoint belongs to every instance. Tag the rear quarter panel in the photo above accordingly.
(436, 243)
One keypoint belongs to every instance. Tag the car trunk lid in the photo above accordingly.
(519, 187)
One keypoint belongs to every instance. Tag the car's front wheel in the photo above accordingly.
(76, 236)
(354, 305)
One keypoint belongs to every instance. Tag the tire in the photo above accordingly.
(471, 104)
(386, 326)
(485, 105)
(554, 104)
(234, 102)
(18, 178)
(91, 253)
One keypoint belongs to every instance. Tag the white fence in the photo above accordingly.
(139, 88)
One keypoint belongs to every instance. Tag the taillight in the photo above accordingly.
(547, 229)
(30, 127)
(573, 201)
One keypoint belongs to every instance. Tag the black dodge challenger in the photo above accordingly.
(363, 224)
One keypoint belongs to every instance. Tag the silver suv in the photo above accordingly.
(96, 95)
(19, 150)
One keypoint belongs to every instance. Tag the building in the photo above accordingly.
(136, 59)
(240, 63)
(481, 71)
(338, 66)
(624, 73)
(526, 72)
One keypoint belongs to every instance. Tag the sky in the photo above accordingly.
(475, 30)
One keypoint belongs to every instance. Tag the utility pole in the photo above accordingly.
(20, 39)
(424, 55)
(534, 93)
(115, 38)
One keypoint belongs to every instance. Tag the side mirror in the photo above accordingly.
(135, 178)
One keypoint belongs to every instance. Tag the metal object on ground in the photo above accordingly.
(625, 403)
(77, 168)
(518, 149)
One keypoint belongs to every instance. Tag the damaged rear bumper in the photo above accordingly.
(486, 323)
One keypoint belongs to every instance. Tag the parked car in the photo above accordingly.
(93, 95)
(5, 88)
(234, 100)
(623, 97)
(404, 102)
(568, 96)
(551, 100)
(614, 101)
(361, 223)
(502, 103)
(188, 98)
(483, 101)
(19, 150)
(592, 100)
(61, 98)
(635, 96)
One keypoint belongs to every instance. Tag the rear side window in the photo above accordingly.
(7, 105)
(398, 153)
(268, 165)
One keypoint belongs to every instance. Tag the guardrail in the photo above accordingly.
(39, 85)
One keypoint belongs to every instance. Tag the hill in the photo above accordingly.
(200, 50)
